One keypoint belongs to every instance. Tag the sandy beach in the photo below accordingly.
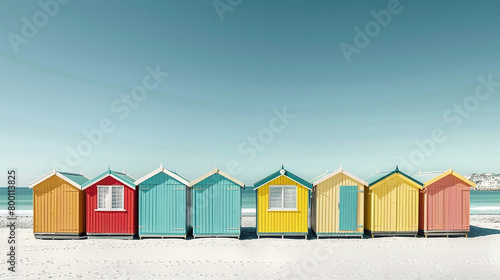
(476, 257)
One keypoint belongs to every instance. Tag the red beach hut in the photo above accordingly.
(111, 205)
(444, 203)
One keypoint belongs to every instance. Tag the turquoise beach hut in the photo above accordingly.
(163, 204)
(216, 208)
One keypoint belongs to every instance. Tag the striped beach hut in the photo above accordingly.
(216, 208)
(282, 205)
(111, 205)
(337, 206)
(59, 205)
(444, 203)
(163, 204)
(391, 204)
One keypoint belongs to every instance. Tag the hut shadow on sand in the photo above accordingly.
(481, 232)
(248, 233)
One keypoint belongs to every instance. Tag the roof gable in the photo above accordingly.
(76, 180)
(161, 169)
(335, 173)
(283, 172)
(377, 178)
(122, 177)
(217, 171)
(430, 178)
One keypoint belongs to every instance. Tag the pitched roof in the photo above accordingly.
(377, 177)
(283, 172)
(166, 171)
(216, 171)
(430, 178)
(329, 175)
(120, 176)
(73, 179)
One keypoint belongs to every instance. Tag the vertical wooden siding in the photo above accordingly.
(58, 207)
(216, 207)
(282, 221)
(394, 205)
(326, 202)
(111, 222)
(162, 206)
(448, 205)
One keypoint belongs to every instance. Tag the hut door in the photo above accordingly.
(202, 210)
(465, 209)
(147, 201)
(52, 201)
(54, 214)
(348, 208)
(66, 211)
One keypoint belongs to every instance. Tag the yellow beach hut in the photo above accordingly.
(337, 204)
(391, 204)
(59, 205)
(282, 205)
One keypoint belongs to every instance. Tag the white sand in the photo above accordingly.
(476, 257)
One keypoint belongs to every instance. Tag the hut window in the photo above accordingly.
(282, 197)
(110, 198)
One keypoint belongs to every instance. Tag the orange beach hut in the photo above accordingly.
(58, 205)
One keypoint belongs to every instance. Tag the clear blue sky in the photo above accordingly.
(227, 76)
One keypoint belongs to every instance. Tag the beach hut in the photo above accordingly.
(337, 204)
(444, 203)
(391, 204)
(282, 205)
(111, 205)
(216, 208)
(163, 204)
(58, 205)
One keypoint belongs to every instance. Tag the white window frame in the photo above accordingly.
(110, 199)
(282, 208)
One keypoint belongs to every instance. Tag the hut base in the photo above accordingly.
(60, 236)
(141, 236)
(391, 233)
(282, 234)
(339, 234)
(443, 233)
(110, 236)
(215, 236)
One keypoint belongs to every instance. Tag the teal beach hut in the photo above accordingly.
(163, 204)
(216, 205)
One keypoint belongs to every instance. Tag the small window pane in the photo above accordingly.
(103, 197)
(117, 200)
(290, 197)
(275, 197)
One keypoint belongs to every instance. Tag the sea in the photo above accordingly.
(481, 202)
